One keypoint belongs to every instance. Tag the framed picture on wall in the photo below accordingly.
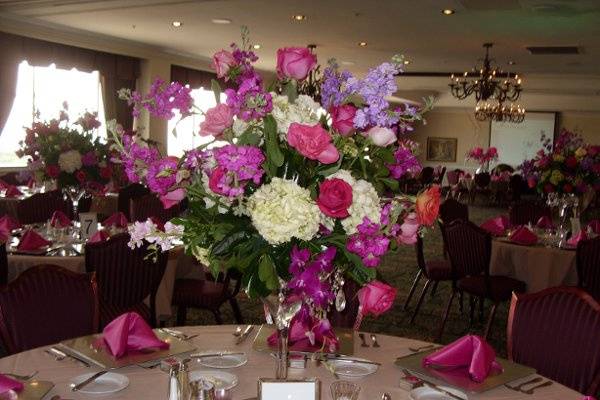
(441, 149)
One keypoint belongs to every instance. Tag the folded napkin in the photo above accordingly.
(522, 235)
(496, 226)
(595, 226)
(32, 241)
(129, 333)
(4, 185)
(12, 191)
(118, 220)
(60, 220)
(99, 236)
(7, 384)
(471, 353)
(545, 222)
(9, 223)
(573, 240)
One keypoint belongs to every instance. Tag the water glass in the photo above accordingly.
(344, 390)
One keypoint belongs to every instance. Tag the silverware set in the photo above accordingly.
(421, 348)
(81, 385)
(519, 388)
(177, 334)
(240, 335)
(363, 339)
(60, 355)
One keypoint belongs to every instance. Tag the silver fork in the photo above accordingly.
(541, 385)
(518, 387)
(21, 377)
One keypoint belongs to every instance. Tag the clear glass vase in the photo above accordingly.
(74, 193)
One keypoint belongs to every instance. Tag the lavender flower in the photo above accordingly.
(235, 166)
(368, 243)
(162, 175)
(161, 100)
(405, 162)
(250, 101)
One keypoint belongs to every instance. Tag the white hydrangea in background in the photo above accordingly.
(365, 203)
(303, 111)
(69, 161)
(282, 210)
(344, 175)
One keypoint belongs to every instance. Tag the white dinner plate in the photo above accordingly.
(428, 393)
(105, 384)
(223, 361)
(220, 379)
(352, 369)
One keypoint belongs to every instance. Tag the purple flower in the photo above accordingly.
(368, 243)
(89, 159)
(298, 260)
(310, 279)
(250, 101)
(136, 158)
(161, 176)
(163, 99)
(235, 166)
(405, 162)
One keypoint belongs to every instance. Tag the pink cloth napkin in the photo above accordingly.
(12, 191)
(471, 353)
(99, 236)
(32, 241)
(7, 384)
(118, 220)
(496, 226)
(573, 240)
(129, 332)
(545, 222)
(60, 220)
(595, 225)
(522, 235)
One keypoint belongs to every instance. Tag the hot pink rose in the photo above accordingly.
(343, 119)
(376, 298)
(222, 61)
(295, 62)
(409, 229)
(172, 198)
(216, 120)
(335, 196)
(313, 142)
(381, 136)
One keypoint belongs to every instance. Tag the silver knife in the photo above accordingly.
(89, 380)
(216, 354)
(350, 359)
(244, 334)
(71, 355)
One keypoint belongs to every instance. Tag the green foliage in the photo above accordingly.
(216, 89)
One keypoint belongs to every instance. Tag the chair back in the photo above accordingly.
(426, 176)
(125, 277)
(451, 210)
(483, 179)
(420, 255)
(524, 212)
(126, 194)
(148, 206)
(439, 178)
(588, 266)
(454, 176)
(469, 248)
(515, 184)
(45, 305)
(556, 332)
(41, 206)
(3, 265)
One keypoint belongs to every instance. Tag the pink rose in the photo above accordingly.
(492, 152)
(335, 197)
(222, 61)
(171, 198)
(343, 119)
(381, 136)
(409, 229)
(214, 182)
(216, 120)
(313, 142)
(376, 298)
(295, 62)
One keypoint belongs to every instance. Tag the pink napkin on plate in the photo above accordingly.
(12, 191)
(545, 222)
(595, 225)
(573, 240)
(99, 236)
(7, 384)
(496, 226)
(59, 219)
(130, 333)
(118, 220)
(470, 355)
(32, 241)
(522, 235)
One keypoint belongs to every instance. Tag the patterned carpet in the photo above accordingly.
(399, 270)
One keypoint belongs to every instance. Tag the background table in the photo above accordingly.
(150, 384)
(538, 266)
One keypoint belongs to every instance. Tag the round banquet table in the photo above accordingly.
(538, 266)
(149, 384)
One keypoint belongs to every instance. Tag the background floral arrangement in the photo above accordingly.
(302, 194)
(69, 152)
(567, 165)
(481, 156)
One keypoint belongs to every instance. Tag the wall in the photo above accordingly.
(586, 124)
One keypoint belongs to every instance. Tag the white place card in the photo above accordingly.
(274, 389)
(89, 224)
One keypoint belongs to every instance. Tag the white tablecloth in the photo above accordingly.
(539, 267)
(150, 384)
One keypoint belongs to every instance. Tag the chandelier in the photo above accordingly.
(498, 111)
(486, 81)
(311, 86)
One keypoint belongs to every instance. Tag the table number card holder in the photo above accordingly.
(89, 224)
(301, 389)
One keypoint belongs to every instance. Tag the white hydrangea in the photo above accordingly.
(282, 210)
(303, 111)
(344, 175)
(69, 161)
(365, 203)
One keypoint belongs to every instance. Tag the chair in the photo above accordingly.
(128, 193)
(426, 176)
(125, 277)
(454, 188)
(3, 265)
(149, 205)
(451, 210)
(515, 187)
(556, 332)
(525, 212)
(434, 271)
(470, 250)
(482, 185)
(208, 294)
(45, 305)
(41, 206)
(439, 176)
(588, 266)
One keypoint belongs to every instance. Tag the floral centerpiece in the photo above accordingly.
(297, 195)
(483, 157)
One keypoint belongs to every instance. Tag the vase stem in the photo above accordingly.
(282, 354)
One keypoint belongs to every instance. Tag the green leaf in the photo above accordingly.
(224, 246)
(216, 88)
(267, 272)
(331, 169)
(249, 138)
(291, 90)
(391, 183)
(274, 154)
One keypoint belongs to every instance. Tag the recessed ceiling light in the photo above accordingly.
(406, 62)
(511, 62)
(448, 11)
(221, 21)
(256, 46)
(177, 24)
(362, 44)
(299, 17)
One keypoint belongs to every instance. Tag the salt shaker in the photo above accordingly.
(202, 390)
(174, 388)
(184, 379)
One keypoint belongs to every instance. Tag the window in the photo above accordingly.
(45, 89)
(187, 136)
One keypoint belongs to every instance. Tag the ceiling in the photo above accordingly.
(431, 41)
